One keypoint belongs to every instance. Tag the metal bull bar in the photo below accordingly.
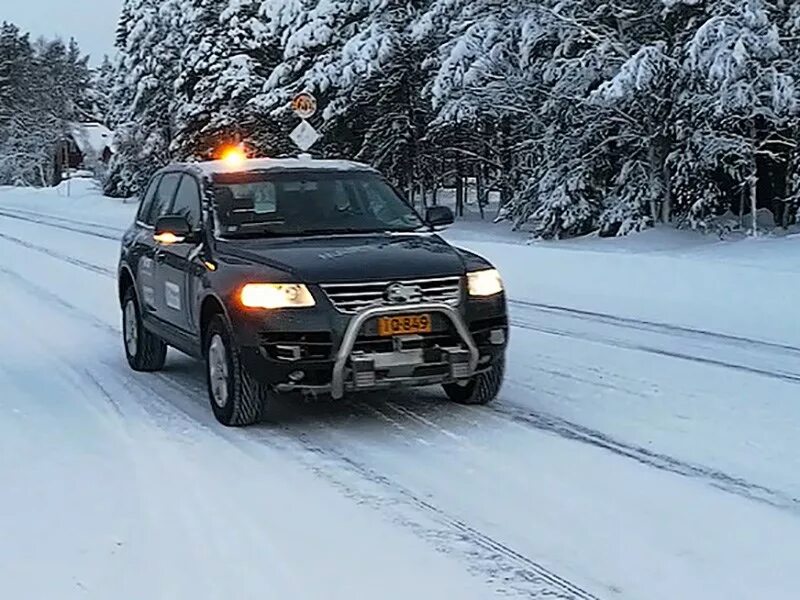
(358, 322)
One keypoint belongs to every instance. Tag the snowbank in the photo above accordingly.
(78, 198)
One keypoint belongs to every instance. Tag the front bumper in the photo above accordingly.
(345, 355)
(462, 363)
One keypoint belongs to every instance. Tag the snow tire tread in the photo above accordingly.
(483, 388)
(151, 355)
(247, 395)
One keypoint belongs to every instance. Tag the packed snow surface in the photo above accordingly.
(645, 445)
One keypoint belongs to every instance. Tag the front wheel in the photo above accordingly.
(481, 389)
(237, 398)
(144, 350)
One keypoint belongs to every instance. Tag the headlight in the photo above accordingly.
(485, 283)
(276, 295)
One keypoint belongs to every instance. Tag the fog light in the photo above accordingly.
(497, 337)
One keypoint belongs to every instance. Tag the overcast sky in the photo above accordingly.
(91, 22)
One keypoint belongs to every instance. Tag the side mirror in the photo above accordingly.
(174, 229)
(439, 216)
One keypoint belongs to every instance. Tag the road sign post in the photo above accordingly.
(304, 135)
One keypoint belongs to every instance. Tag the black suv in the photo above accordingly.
(307, 276)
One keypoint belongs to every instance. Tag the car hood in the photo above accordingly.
(348, 258)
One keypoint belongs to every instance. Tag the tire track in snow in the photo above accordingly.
(505, 566)
(58, 223)
(714, 477)
(652, 326)
(505, 569)
(501, 565)
(60, 256)
(33, 214)
(616, 343)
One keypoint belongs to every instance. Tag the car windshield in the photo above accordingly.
(310, 203)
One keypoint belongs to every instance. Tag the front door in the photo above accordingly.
(152, 289)
(176, 264)
(144, 249)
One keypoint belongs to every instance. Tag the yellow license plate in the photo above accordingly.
(404, 325)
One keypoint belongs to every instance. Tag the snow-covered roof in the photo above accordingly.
(218, 167)
(92, 138)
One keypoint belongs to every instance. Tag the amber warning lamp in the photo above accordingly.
(233, 156)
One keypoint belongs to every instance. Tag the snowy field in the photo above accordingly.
(646, 444)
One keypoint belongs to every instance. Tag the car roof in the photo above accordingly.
(210, 169)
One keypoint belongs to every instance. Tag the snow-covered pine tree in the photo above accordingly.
(42, 90)
(76, 78)
(637, 102)
(17, 157)
(329, 48)
(479, 87)
(229, 55)
(151, 37)
(389, 118)
(740, 100)
(788, 204)
(567, 51)
(101, 90)
(384, 119)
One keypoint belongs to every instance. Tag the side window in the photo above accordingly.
(187, 201)
(147, 199)
(162, 203)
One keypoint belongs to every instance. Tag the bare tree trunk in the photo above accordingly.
(754, 202)
(505, 161)
(479, 189)
(741, 207)
(459, 190)
(754, 182)
(666, 207)
(57, 165)
(652, 158)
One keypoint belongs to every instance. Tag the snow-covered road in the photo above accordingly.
(627, 458)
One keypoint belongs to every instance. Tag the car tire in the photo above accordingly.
(236, 397)
(145, 351)
(481, 389)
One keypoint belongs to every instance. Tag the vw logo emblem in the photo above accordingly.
(399, 293)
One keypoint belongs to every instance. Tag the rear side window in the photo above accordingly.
(147, 199)
(187, 201)
(162, 203)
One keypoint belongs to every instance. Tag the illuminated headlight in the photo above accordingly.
(483, 284)
(276, 295)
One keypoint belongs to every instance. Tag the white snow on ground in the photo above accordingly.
(645, 446)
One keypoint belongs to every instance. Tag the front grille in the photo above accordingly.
(351, 298)
(375, 344)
